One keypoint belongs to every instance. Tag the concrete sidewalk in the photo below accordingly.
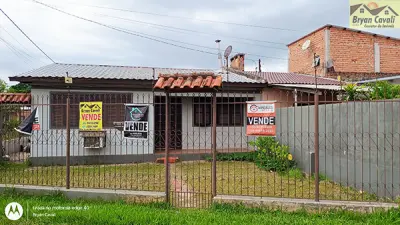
(309, 205)
(88, 193)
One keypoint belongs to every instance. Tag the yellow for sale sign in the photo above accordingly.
(91, 116)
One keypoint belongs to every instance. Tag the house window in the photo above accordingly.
(230, 111)
(386, 12)
(361, 10)
(202, 112)
(113, 108)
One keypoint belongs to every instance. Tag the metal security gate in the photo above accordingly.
(357, 142)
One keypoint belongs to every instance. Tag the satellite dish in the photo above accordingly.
(228, 51)
(306, 45)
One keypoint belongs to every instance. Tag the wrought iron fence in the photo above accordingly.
(197, 146)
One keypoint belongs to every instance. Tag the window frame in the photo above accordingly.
(221, 102)
(126, 96)
(205, 105)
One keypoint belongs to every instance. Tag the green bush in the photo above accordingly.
(372, 91)
(295, 173)
(271, 155)
(236, 156)
(8, 129)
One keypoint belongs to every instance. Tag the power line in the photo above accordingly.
(149, 35)
(23, 48)
(27, 36)
(138, 34)
(194, 31)
(121, 30)
(186, 18)
(16, 51)
(16, 40)
(201, 46)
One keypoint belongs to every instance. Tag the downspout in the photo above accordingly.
(295, 97)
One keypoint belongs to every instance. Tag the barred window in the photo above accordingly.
(113, 107)
(230, 111)
(202, 112)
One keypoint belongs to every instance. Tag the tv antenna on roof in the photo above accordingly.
(227, 52)
(306, 45)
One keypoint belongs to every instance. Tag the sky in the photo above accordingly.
(71, 40)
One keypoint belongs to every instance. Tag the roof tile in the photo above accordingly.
(188, 81)
(18, 98)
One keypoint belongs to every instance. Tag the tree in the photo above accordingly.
(20, 88)
(3, 86)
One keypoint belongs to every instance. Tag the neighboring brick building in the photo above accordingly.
(352, 54)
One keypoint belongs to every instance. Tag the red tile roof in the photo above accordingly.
(292, 78)
(189, 81)
(7, 98)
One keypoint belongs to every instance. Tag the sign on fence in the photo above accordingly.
(91, 116)
(261, 116)
(136, 125)
(36, 123)
(30, 124)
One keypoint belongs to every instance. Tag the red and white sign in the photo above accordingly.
(36, 123)
(261, 118)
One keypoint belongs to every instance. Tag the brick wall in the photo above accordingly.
(350, 51)
(300, 61)
(390, 55)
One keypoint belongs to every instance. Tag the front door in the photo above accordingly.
(175, 123)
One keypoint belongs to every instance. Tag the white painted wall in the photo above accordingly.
(200, 137)
(51, 142)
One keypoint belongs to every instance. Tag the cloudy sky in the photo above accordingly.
(185, 23)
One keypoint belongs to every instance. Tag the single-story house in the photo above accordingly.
(115, 86)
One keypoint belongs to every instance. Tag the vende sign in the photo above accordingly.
(261, 118)
(90, 116)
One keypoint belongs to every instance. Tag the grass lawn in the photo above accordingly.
(142, 176)
(245, 178)
(101, 212)
(194, 177)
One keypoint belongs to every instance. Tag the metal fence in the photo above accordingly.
(197, 146)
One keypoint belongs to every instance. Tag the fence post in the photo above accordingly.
(166, 143)
(1, 133)
(67, 182)
(316, 145)
(214, 145)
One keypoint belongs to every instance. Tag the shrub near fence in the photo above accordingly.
(269, 155)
